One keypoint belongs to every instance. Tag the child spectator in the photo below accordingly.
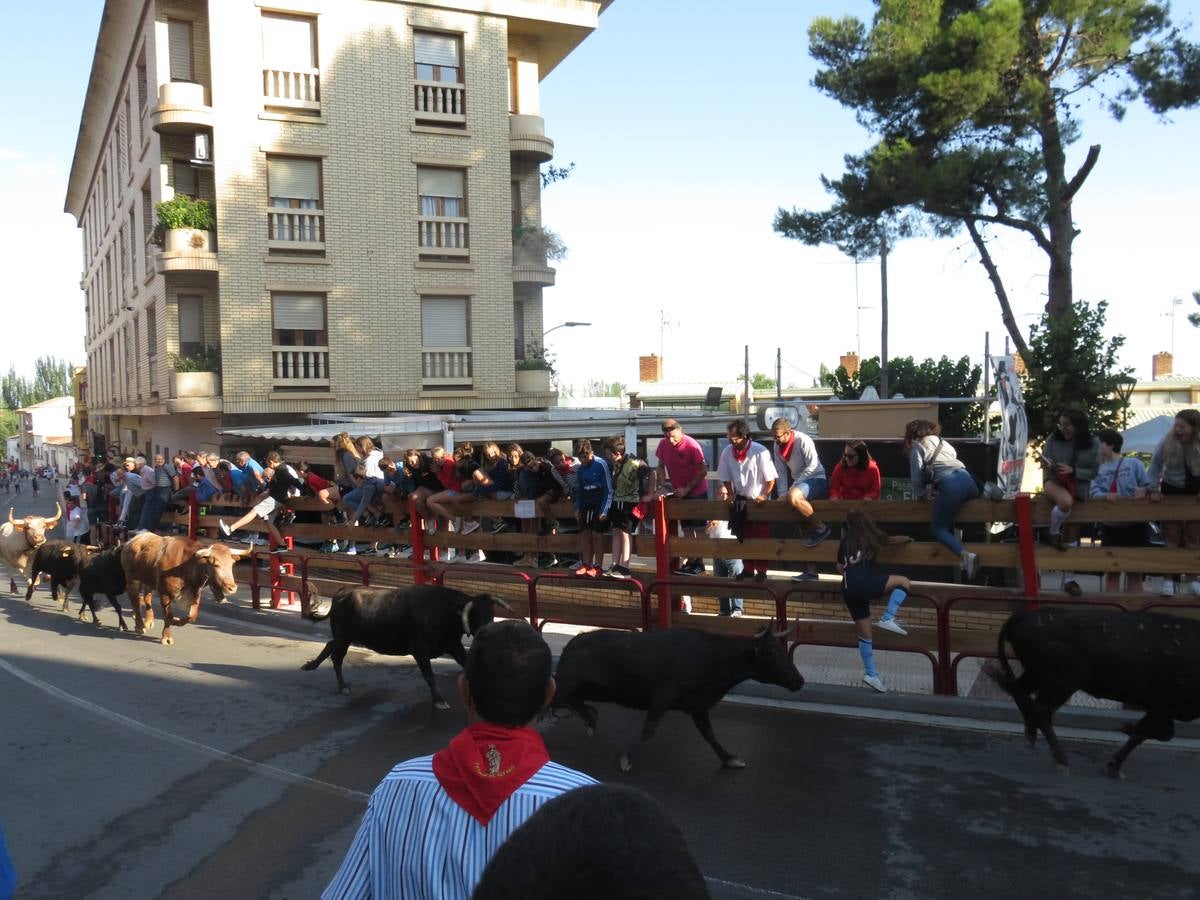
(718, 529)
(592, 502)
(631, 478)
(1119, 476)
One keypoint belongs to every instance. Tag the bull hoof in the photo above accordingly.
(166, 640)
(440, 704)
(124, 627)
(1062, 769)
(734, 763)
(626, 763)
(1031, 740)
(345, 689)
(1112, 770)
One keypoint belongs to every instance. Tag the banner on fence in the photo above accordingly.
(1014, 427)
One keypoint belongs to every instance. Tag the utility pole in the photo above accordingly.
(746, 386)
(778, 375)
(883, 302)
(987, 385)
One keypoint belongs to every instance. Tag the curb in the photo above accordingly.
(969, 709)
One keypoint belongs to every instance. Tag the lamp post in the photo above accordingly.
(566, 325)
(1125, 386)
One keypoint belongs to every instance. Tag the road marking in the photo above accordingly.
(126, 722)
(959, 723)
(749, 891)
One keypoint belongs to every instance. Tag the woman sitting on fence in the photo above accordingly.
(1070, 458)
(861, 584)
(1175, 470)
(856, 475)
(936, 471)
(1119, 476)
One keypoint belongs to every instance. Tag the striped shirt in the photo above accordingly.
(416, 842)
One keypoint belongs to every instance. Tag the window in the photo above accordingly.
(152, 336)
(437, 57)
(137, 355)
(298, 319)
(441, 219)
(183, 178)
(191, 324)
(519, 329)
(295, 184)
(513, 99)
(444, 322)
(290, 74)
(141, 88)
(517, 217)
(179, 41)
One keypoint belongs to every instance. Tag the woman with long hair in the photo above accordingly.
(935, 471)
(1070, 458)
(1175, 471)
(856, 476)
(346, 458)
(861, 543)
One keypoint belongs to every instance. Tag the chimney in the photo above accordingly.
(1160, 365)
(650, 368)
(849, 362)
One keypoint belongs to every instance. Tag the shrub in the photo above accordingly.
(182, 211)
(208, 360)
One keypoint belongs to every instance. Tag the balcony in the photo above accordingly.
(529, 267)
(304, 368)
(186, 250)
(195, 392)
(443, 236)
(183, 108)
(295, 229)
(527, 139)
(440, 102)
(296, 90)
(446, 367)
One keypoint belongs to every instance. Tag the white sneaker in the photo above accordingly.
(970, 564)
(403, 553)
(471, 527)
(1168, 588)
(686, 602)
(876, 682)
(476, 557)
(224, 528)
(1194, 586)
(430, 526)
(352, 550)
(890, 624)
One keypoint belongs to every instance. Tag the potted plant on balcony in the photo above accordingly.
(535, 245)
(535, 371)
(186, 222)
(196, 375)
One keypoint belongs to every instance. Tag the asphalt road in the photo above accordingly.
(216, 768)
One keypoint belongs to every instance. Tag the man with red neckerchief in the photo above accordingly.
(434, 822)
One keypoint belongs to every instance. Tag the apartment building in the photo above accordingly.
(368, 164)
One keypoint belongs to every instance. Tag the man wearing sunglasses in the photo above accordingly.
(687, 472)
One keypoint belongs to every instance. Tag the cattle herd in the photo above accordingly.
(1147, 660)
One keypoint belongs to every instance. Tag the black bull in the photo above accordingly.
(1145, 659)
(673, 668)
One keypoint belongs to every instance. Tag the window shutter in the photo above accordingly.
(295, 179)
(147, 215)
(179, 40)
(289, 43)
(184, 177)
(444, 322)
(435, 49)
(440, 182)
(305, 312)
(191, 319)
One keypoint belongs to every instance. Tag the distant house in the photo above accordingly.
(41, 422)
(1154, 404)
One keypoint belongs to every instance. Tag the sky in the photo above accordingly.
(688, 132)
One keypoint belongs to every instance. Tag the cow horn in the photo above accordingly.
(502, 603)
(241, 554)
(784, 633)
(466, 617)
(19, 526)
(204, 553)
(50, 523)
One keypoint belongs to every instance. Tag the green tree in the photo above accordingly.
(598, 387)
(759, 381)
(973, 103)
(1080, 370)
(1194, 318)
(51, 378)
(929, 378)
(8, 423)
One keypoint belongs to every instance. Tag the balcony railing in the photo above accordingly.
(440, 101)
(444, 366)
(295, 229)
(443, 235)
(300, 366)
(292, 89)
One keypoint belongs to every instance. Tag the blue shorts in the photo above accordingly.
(812, 489)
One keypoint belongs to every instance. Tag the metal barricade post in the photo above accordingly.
(1029, 570)
(662, 561)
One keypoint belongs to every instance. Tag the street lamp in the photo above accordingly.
(1125, 386)
(566, 325)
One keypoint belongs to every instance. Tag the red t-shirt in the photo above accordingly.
(315, 482)
(853, 483)
(683, 461)
(448, 475)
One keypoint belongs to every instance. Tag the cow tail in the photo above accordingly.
(318, 607)
(1005, 668)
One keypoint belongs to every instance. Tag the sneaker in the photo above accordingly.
(499, 526)
(1194, 586)
(1168, 588)
(592, 572)
(806, 576)
(890, 624)
(685, 603)
(224, 528)
(875, 682)
(970, 564)
(275, 551)
(477, 556)
(580, 572)
(288, 518)
(735, 612)
(470, 527)
(551, 563)
(352, 550)
(760, 576)
(697, 568)
(684, 570)
(431, 526)
(619, 572)
(1071, 586)
(817, 536)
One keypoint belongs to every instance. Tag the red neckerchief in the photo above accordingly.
(740, 455)
(566, 466)
(785, 448)
(485, 764)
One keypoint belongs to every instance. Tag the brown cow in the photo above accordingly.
(177, 569)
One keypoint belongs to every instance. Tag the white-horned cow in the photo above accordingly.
(18, 541)
(177, 569)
